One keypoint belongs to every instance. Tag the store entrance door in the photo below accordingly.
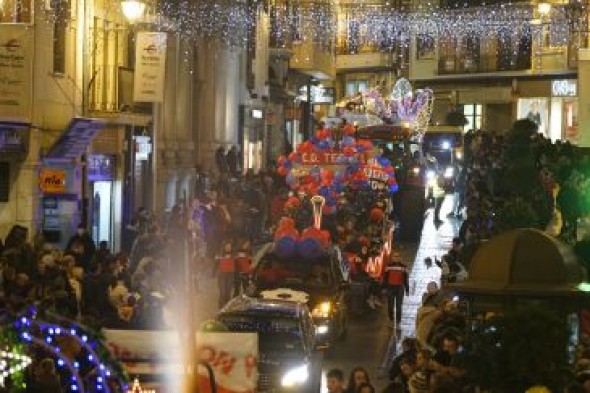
(102, 212)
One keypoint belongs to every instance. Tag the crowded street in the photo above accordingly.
(294, 196)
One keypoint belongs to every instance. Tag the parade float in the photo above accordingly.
(396, 121)
(344, 182)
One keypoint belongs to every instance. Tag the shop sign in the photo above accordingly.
(319, 95)
(564, 88)
(52, 181)
(150, 67)
(16, 71)
(376, 175)
(330, 157)
(143, 148)
(101, 167)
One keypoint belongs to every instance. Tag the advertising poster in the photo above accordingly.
(16, 72)
(536, 110)
(150, 67)
(157, 355)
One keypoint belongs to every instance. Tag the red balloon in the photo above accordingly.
(391, 181)
(292, 203)
(283, 171)
(349, 130)
(389, 169)
(377, 214)
(348, 151)
(287, 222)
(286, 232)
(293, 156)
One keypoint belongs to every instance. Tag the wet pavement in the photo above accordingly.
(371, 342)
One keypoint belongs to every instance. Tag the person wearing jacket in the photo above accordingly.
(397, 281)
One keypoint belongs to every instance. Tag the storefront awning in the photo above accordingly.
(76, 138)
(13, 138)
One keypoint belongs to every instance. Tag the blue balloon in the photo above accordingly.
(310, 248)
(290, 179)
(393, 188)
(313, 139)
(324, 191)
(342, 160)
(285, 247)
(288, 164)
(352, 160)
(324, 145)
(348, 141)
(338, 187)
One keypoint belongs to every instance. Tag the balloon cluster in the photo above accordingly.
(346, 167)
(312, 243)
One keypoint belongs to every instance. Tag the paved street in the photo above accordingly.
(371, 342)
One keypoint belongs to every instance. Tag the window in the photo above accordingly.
(356, 86)
(16, 11)
(473, 113)
(4, 181)
(62, 10)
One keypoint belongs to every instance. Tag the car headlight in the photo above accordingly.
(430, 175)
(322, 310)
(322, 329)
(416, 170)
(449, 172)
(295, 377)
(446, 145)
(459, 155)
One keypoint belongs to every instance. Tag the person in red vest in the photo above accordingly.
(243, 267)
(397, 281)
(226, 274)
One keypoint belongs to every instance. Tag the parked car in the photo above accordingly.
(322, 283)
(288, 359)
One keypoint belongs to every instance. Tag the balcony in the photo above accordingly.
(363, 61)
(311, 59)
(452, 65)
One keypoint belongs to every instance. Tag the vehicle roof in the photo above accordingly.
(245, 305)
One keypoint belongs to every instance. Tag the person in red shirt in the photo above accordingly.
(397, 281)
(226, 274)
(243, 267)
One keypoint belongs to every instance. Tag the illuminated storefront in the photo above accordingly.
(557, 115)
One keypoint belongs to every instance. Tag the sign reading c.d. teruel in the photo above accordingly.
(16, 72)
(150, 67)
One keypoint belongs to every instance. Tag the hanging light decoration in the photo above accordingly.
(231, 21)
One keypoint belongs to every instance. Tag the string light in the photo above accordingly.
(12, 363)
(354, 26)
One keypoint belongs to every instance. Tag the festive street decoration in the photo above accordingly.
(331, 161)
(382, 26)
(11, 363)
(75, 350)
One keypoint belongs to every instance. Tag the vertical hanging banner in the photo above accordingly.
(150, 67)
(16, 71)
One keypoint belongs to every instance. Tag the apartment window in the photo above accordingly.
(16, 11)
(473, 113)
(4, 181)
(59, 48)
(357, 86)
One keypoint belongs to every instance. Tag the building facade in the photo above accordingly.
(76, 143)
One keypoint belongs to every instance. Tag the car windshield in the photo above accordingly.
(274, 272)
(274, 333)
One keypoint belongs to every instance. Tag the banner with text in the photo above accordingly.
(16, 71)
(150, 67)
(233, 357)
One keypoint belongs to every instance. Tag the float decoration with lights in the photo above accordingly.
(333, 161)
(75, 350)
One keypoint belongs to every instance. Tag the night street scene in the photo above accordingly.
(294, 196)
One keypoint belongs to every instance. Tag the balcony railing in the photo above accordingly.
(448, 65)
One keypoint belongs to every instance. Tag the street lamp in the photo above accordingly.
(132, 9)
(544, 9)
